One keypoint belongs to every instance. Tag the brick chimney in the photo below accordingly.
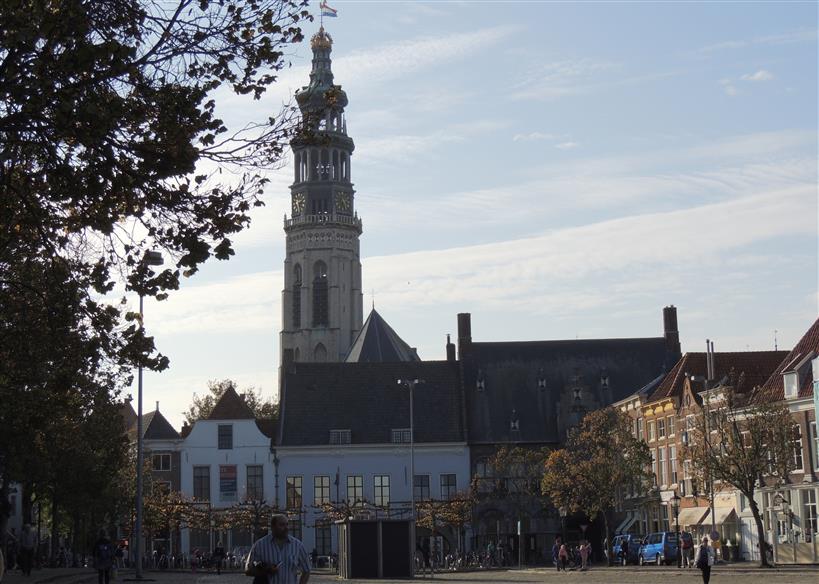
(450, 350)
(671, 333)
(464, 334)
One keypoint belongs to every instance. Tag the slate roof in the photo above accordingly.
(231, 406)
(774, 389)
(511, 371)
(156, 427)
(756, 365)
(366, 399)
(377, 342)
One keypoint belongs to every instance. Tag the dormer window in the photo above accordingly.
(340, 436)
(480, 382)
(791, 380)
(514, 423)
(541, 380)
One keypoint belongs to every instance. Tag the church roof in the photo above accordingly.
(366, 399)
(156, 427)
(231, 406)
(377, 342)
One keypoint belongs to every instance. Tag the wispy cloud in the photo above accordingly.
(563, 78)
(789, 37)
(760, 75)
(532, 136)
(567, 145)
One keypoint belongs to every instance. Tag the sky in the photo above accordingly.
(559, 170)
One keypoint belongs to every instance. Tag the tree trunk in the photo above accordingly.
(608, 537)
(55, 541)
(760, 528)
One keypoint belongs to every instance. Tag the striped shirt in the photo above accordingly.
(290, 557)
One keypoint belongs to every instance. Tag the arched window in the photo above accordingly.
(297, 355)
(321, 311)
(335, 165)
(344, 169)
(297, 296)
(320, 354)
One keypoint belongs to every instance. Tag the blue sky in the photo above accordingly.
(559, 170)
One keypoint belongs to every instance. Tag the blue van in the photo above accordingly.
(634, 542)
(659, 548)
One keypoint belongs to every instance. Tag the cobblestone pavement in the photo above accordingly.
(720, 575)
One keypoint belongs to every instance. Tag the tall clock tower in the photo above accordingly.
(321, 300)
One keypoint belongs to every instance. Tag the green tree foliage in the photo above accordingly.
(513, 474)
(203, 405)
(742, 444)
(601, 460)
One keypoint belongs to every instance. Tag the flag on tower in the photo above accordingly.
(327, 11)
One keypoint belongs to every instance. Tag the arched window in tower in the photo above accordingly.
(344, 170)
(335, 164)
(321, 309)
(319, 354)
(296, 166)
(324, 173)
(297, 296)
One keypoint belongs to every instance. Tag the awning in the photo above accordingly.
(692, 516)
(721, 515)
(626, 524)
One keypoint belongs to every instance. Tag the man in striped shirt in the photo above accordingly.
(278, 556)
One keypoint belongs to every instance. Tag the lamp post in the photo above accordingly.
(675, 506)
(564, 512)
(410, 384)
(151, 258)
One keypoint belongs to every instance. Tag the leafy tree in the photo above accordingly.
(601, 459)
(454, 513)
(202, 406)
(742, 444)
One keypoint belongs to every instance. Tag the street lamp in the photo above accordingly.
(151, 258)
(564, 512)
(675, 506)
(410, 385)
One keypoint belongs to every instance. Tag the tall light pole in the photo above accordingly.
(675, 506)
(151, 258)
(410, 385)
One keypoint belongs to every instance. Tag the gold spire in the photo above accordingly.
(321, 40)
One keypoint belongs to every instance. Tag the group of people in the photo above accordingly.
(564, 555)
(21, 552)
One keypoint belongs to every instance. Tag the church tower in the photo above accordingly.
(321, 300)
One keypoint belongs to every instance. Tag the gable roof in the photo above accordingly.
(231, 406)
(377, 342)
(774, 387)
(156, 427)
(366, 399)
(755, 365)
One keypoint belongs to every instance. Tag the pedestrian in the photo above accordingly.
(278, 554)
(556, 553)
(218, 556)
(624, 550)
(585, 548)
(28, 542)
(563, 556)
(687, 551)
(314, 558)
(705, 559)
(103, 557)
(120, 556)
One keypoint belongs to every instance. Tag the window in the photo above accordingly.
(640, 434)
(798, 463)
(661, 465)
(321, 490)
(321, 315)
(661, 428)
(227, 483)
(323, 541)
(255, 482)
(225, 437)
(297, 296)
(651, 431)
(654, 466)
(672, 457)
(293, 493)
(161, 461)
(670, 425)
(355, 489)
(809, 515)
(294, 526)
(201, 483)
(449, 486)
(382, 490)
(401, 436)
(420, 487)
(791, 379)
(339, 436)
(815, 435)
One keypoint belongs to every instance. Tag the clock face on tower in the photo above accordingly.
(298, 203)
(343, 202)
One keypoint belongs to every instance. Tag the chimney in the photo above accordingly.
(464, 334)
(450, 350)
(672, 334)
(157, 405)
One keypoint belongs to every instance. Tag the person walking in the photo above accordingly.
(103, 557)
(705, 559)
(563, 556)
(28, 542)
(687, 551)
(278, 554)
(556, 553)
(218, 557)
(585, 548)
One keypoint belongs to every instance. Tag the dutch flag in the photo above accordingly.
(327, 11)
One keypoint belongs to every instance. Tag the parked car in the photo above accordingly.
(634, 543)
(659, 548)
